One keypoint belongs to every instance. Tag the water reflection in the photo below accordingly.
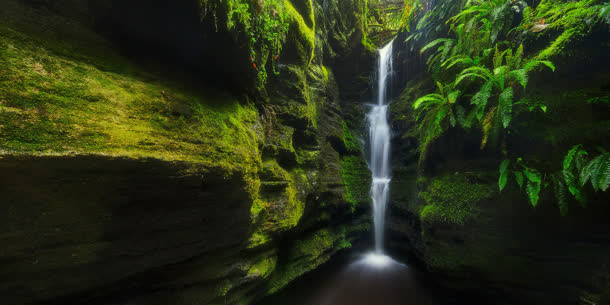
(373, 279)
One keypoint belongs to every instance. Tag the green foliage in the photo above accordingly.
(504, 174)
(409, 12)
(604, 12)
(524, 176)
(597, 172)
(572, 20)
(474, 57)
(574, 162)
(534, 182)
(577, 171)
(434, 113)
(265, 22)
(509, 72)
(473, 45)
(476, 28)
(428, 26)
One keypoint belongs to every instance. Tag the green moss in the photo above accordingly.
(56, 102)
(301, 35)
(264, 23)
(351, 143)
(293, 211)
(299, 102)
(357, 179)
(314, 246)
(56, 99)
(453, 199)
(307, 254)
(280, 207)
(224, 287)
(574, 20)
(263, 268)
(258, 238)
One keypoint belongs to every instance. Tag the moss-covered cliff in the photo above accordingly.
(130, 171)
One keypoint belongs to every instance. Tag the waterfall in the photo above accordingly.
(379, 133)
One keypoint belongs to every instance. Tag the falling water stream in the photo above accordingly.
(379, 133)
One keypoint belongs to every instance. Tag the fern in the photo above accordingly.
(505, 106)
(520, 76)
(577, 171)
(519, 177)
(503, 174)
(435, 112)
(598, 172)
(571, 164)
(480, 99)
(534, 182)
(559, 189)
(509, 71)
(435, 43)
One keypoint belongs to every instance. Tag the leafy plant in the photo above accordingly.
(572, 20)
(435, 112)
(409, 11)
(476, 28)
(265, 22)
(577, 171)
(525, 176)
(509, 73)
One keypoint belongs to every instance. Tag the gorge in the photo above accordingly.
(304, 152)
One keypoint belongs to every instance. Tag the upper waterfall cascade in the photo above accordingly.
(379, 133)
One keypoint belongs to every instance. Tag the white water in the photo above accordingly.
(379, 133)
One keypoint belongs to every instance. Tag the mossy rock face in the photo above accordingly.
(123, 156)
(300, 41)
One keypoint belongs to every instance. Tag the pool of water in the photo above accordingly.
(368, 279)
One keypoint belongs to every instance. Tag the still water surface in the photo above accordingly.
(370, 279)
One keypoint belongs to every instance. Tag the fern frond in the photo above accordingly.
(464, 60)
(500, 70)
(469, 75)
(569, 167)
(519, 76)
(427, 99)
(434, 43)
(534, 181)
(480, 99)
(478, 69)
(503, 174)
(498, 57)
(517, 59)
(599, 172)
(519, 177)
(487, 126)
(560, 193)
(535, 63)
(505, 106)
